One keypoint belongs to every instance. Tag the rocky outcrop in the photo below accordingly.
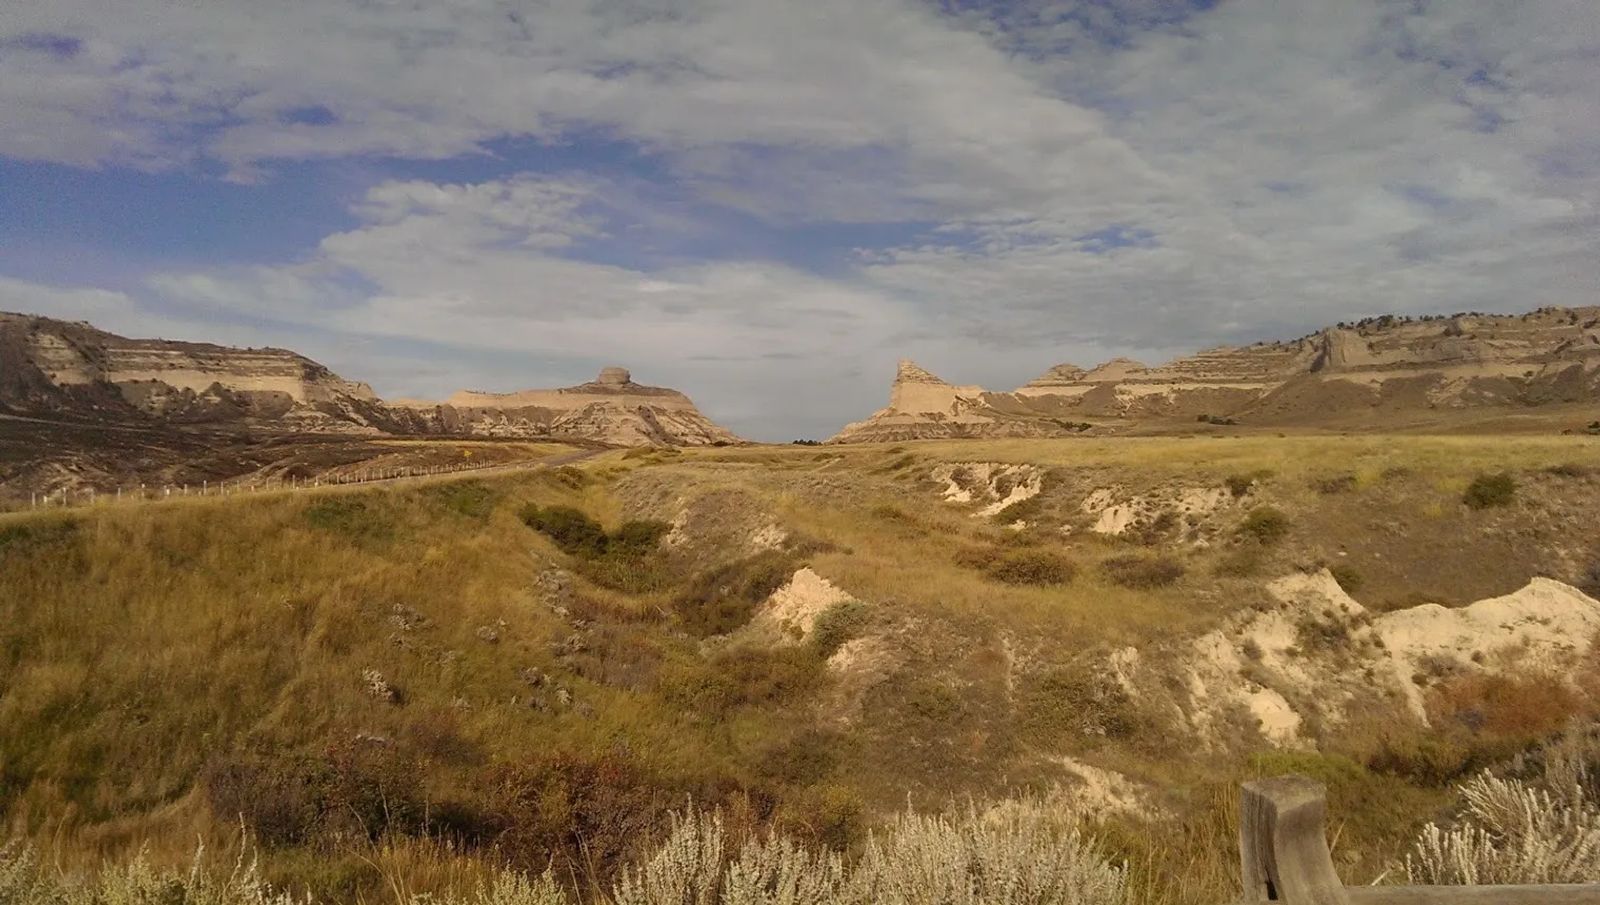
(923, 407)
(62, 370)
(609, 409)
(1386, 364)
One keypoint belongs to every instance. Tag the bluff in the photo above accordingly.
(610, 409)
(61, 370)
(1378, 367)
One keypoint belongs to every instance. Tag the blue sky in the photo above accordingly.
(766, 203)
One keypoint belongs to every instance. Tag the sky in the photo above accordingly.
(766, 203)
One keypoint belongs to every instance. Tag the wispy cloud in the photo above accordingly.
(823, 186)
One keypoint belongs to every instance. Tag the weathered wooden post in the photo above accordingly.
(1283, 851)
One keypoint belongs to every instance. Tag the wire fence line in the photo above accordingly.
(148, 492)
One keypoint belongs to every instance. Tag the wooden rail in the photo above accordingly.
(1284, 857)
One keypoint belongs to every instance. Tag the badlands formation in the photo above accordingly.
(61, 370)
(1380, 367)
(611, 409)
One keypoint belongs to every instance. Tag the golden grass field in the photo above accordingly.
(167, 667)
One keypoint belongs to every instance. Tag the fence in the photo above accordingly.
(1284, 857)
(145, 492)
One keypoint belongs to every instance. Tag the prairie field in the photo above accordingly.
(401, 689)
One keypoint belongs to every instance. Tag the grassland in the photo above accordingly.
(399, 687)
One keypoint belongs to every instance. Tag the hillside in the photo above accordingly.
(60, 370)
(1375, 374)
(408, 684)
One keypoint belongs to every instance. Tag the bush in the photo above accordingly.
(1264, 525)
(1348, 578)
(723, 599)
(1033, 567)
(838, 624)
(1244, 562)
(1488, 491)
(350, 517)
(1075, 701)
(1142, 572)
(742, 676)
(1336, 484)
(473, 499)
(571, 529)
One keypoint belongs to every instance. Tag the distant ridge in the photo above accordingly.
(1380, 366)
(71, 370)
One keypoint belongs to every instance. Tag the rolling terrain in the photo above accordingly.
(402, 687)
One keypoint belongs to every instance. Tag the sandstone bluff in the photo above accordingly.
(1375, 373)
(67, 370)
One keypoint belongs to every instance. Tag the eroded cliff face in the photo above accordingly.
(1383, 365)
(60, 370)
(610, 409)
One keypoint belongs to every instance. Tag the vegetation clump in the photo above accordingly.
(1033, 567)
(722, 599)
(620, 559)
(1489, 491)
(1142, 572)
(1265, 525)
(837, 625)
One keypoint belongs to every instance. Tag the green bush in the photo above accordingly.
(1142, 572)
(722, 599)
(473, 499)
(350, 517)
(571, 529)
(1075, 701)
(36, 534)
(1335, 484)
(1490, 490)
(838, 624)
(1348, 578)
(1033, 567)
(1264, 525)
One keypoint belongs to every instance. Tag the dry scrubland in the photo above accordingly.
(402, 690)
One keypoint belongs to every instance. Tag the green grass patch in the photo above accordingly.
(1489, 491)
(1142, 572)
(1265, 525)
(1033, 567)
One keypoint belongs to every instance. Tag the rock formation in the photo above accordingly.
(611, 409)
(60, 370)
(1377, 366)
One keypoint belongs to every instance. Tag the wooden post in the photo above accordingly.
(1283, 850)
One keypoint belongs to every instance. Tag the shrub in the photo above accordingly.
(1513, 832)
(742, 676)
(1075, 701)
(350, 517)
(1348, 578)
(637, 538)
(571, 529)
(1336, 484)
(1490, 490)
(1010, 854)
(722, 599)
(1240, 484)
(1264, 525)
(838, 624)
(1142, 572)
(1033, 567)
(473, 499)
(35, 534)
(1570, 470)
(1244, 562)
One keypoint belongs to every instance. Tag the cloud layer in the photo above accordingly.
(807, 190)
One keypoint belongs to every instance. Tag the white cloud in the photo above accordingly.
(1280, 164)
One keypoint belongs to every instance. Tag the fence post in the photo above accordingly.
(1283, 849)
